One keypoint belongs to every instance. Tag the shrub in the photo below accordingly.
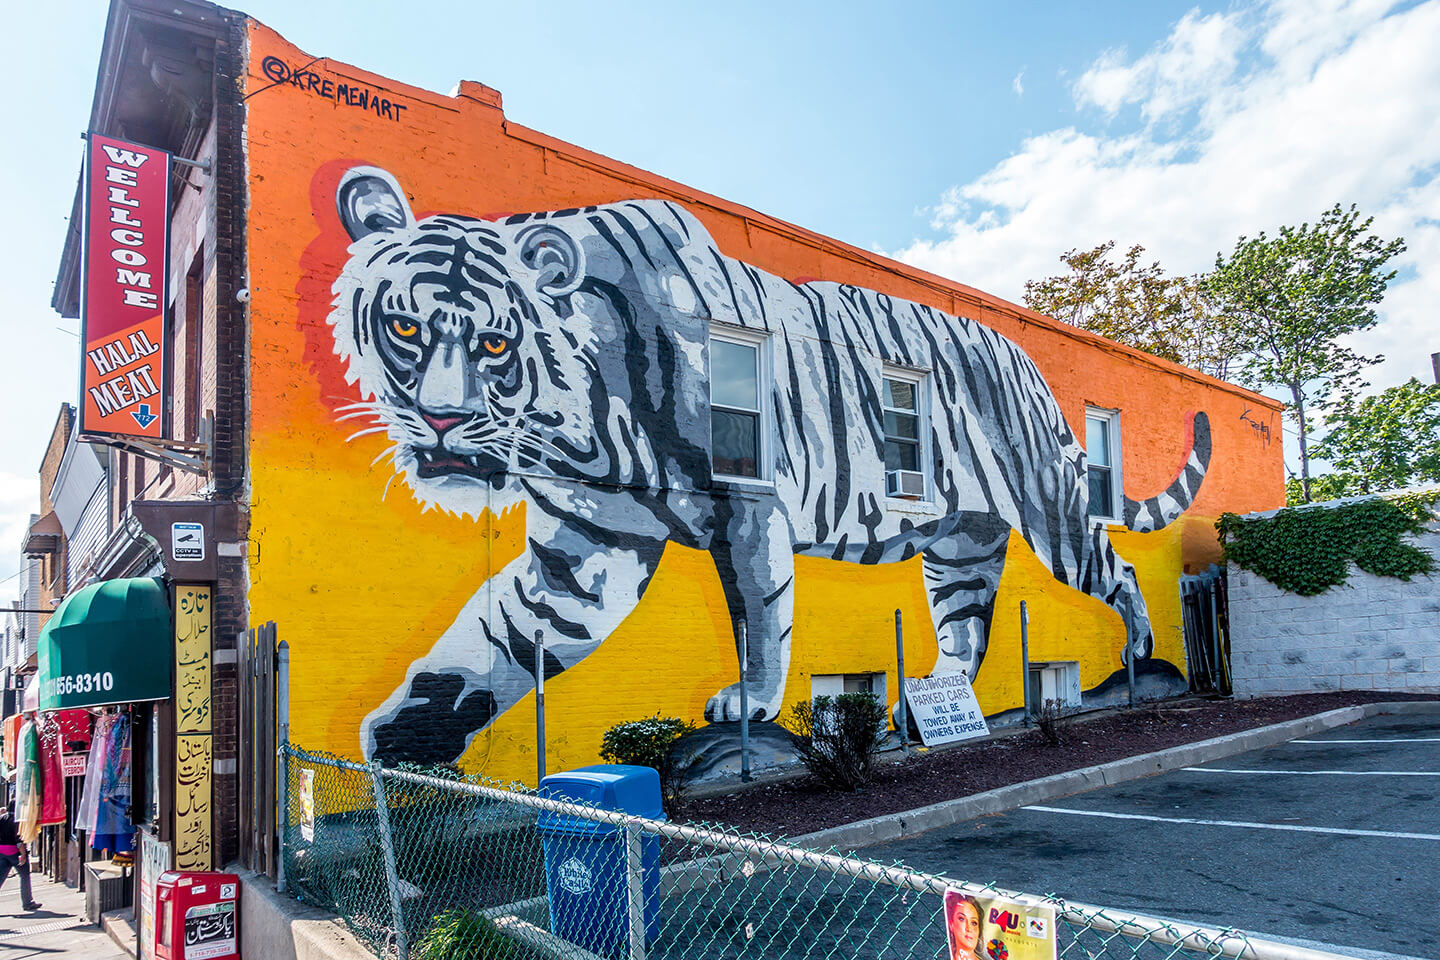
(655, 742)
(463, 935)
(838, 738)
(1052, 712)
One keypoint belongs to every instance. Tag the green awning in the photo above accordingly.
(107, 643)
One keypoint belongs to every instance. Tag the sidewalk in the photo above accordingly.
(58, 928)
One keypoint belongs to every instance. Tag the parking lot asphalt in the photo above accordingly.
(1331, 840)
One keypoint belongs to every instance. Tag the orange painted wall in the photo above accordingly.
(362, 581)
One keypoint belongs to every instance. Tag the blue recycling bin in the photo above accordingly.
(585, 859)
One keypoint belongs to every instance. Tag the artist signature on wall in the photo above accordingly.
(1262, 430)
(345, 94)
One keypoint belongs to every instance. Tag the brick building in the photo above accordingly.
(483, 399)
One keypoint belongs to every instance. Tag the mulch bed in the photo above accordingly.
(803, 805)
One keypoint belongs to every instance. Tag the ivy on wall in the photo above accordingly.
(1307, 550)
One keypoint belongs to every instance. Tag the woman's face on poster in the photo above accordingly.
(965, 928)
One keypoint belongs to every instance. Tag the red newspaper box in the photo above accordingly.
(197, 916)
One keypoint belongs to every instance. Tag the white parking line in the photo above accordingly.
(1321, 773)
(1394, 740)
(1293, 828)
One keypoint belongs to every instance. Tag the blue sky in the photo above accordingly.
(976, 140)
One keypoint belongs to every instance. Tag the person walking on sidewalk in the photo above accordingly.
(13, 855)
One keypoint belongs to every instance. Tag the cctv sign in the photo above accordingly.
(122, 314)
(187, 542)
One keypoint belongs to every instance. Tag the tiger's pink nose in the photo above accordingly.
(441, 424)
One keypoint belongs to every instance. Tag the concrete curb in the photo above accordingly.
(119, 925)
(276, 927)
(908, 823)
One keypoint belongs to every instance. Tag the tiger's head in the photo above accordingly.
(462, 340)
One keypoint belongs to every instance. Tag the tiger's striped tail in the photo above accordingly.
(1163, 509)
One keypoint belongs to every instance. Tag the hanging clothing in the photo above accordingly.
(94, 774)
(11, 731)
(113, 830)
(52, 774)
(27, 783)
(12, 740)
(74, 729)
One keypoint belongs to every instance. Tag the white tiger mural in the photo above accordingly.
(562, 359)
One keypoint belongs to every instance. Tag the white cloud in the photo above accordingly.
(1200, 53)
(1018, 84)
(1296, 105)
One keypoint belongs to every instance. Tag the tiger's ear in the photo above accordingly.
(370, 200)
(556, 257)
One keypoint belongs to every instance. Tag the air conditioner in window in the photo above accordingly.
(904, 483)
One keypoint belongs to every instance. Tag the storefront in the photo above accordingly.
(113, 759)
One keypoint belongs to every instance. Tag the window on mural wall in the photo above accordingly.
(1102, 450)
(903, 404)
(736, 421)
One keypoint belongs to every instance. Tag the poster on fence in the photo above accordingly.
(990, 928)
(945, 708)
(307, 805)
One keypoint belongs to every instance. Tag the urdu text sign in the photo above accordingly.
(122, 326)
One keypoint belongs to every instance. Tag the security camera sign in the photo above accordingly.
(945, 708)
(187, 541)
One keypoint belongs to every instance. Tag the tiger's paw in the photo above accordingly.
(724, 707)
(433, 724)
(1143, 648)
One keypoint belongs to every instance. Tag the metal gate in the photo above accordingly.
(259, 669)
(1204, 610)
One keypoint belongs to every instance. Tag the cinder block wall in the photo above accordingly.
(1372, 633)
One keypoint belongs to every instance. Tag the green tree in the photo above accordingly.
(1386, 441)
(1290, 300)
(1327, 486)
(1136, 304)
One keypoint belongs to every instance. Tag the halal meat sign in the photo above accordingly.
(123, 379)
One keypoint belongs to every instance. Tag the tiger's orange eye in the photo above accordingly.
(496, 345)
(403, 327)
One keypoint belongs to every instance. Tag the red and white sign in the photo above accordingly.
(73, 764)
(122, 325)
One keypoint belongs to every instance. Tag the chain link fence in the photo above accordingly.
(441, 868)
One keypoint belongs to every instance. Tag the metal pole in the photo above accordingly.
(539, 707)
(635, 889)
(387, 848)
(744, 704)
(1215, 631)
(1130, 673)
(902, 719)
(1025, 656)
(282, 779)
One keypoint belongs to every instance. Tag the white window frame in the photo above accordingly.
(833, 685)
(920, 379)
(765, 467)
(1117, 460)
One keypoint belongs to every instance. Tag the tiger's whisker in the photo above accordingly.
(383, 428)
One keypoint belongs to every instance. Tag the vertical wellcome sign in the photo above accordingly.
(124, 367)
